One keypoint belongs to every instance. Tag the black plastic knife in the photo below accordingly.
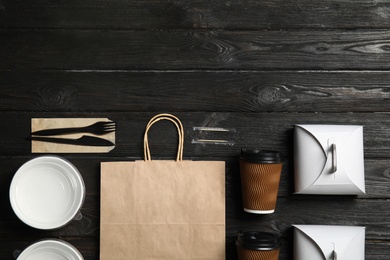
(85, 140)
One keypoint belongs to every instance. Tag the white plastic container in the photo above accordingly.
(47, 192)
(50, 249)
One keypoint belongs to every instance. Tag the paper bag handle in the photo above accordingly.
(180, 132)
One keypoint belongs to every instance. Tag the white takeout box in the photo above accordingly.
(320, 242)
(329, 159)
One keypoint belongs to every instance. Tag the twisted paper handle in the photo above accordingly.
(180, 132)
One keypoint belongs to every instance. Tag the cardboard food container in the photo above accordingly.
(329, 159)
(318, 242)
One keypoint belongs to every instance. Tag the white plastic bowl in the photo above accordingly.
(47, 192)
(50, 250)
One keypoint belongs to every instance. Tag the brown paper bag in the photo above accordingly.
(162, 209)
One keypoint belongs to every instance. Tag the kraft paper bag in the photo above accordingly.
(320, 242)
(163, 209)
(329, 159)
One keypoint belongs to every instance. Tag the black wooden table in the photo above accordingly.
(255, 68)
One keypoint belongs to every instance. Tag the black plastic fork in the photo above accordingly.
(98, 128)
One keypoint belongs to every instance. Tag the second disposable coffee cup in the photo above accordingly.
(260, 176)
(256, 245)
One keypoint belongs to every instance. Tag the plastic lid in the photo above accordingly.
(257, 155)
(50, 249)
(257, 240)
(47, 192)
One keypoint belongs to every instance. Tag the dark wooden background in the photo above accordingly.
(253, 67)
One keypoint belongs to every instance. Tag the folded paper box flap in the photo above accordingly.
(319, 242)
(329, 159)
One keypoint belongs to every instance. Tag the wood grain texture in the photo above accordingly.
(289, 211)
(229, 14)
(225, 91)
(83, 50)
(87, 246)
(253, 68)
(268, 130)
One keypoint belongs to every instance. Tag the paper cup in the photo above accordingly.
(260, 176)
(50, 249)
(47, 192)
(256, 245)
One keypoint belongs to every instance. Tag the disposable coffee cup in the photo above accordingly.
(256, 245)
(260, 176)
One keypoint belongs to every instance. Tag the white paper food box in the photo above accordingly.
(323, 242)
(329, 159)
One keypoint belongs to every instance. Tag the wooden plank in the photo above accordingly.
(225, 91)
(377, 177)
(317, 210)
(89, 248)
(267, 130)
(374, 215)
(160, 14)
(195, 49)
